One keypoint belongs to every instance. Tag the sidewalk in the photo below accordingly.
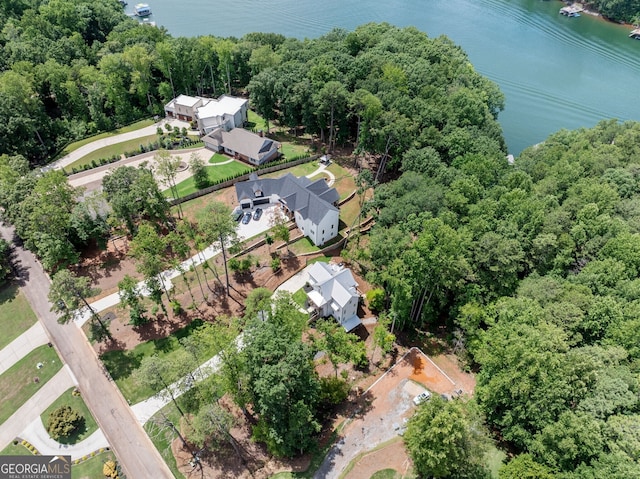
(35, 405)
(21, 346)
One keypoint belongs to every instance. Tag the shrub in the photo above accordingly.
(234, 264)
(176, 307)
(64, 421)
(110, 469)
(333, 390)
(275, 264)
(376, 298)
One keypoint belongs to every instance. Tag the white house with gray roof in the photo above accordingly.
(226, 112)
(312, 204)
(243, 145)
(334, 293)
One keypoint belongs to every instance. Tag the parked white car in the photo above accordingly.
(422, 397)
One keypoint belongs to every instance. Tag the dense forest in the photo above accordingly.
(531, 268)
(627, 11)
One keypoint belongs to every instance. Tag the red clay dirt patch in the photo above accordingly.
(383, 410)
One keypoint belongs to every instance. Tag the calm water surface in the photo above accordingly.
(555, 72)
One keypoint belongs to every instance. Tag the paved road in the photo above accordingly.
(137, 454)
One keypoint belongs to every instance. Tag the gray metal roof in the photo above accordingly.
(311, 199)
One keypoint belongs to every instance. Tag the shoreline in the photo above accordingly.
(596, 14)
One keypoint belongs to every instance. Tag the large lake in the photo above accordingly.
(555, 72)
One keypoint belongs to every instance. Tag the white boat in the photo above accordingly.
(142, 10)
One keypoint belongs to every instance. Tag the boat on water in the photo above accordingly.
(142, 10)
(571, 11)
(635, 34)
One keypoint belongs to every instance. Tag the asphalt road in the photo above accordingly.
(136, 453)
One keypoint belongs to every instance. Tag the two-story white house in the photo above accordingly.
(312, 204)
(334, 293)
(226, 112)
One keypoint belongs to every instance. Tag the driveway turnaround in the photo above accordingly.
(135, 451)
(38, 436)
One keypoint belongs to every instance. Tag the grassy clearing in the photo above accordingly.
(92, 468)
(15, 450)
(255, 121)
(16, 316)
(289, 150)
(214, 173)
(122, 364)
(386, 474)
(111, 150)
(495, 459)
(77, 404)
(125, 129)
(357, 459)
(17, 383)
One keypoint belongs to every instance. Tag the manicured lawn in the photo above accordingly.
(215, 173)
(386, 474)
(17, 383)
(122, 364)
(304, 245)
(218, 158)
(345, 183)
(291, 150)
(192, 207)
(111, 150)
(300, 297)
(16, 316)
(15, 450)
(125, 129)
(349, 212)
(92, 468)
(77, 404)
(299, 170)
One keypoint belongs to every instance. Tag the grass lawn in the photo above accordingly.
(190, 402)
(15, 450)
(17, 384)
(300, 297)
(218, 158)
(349, 212)
(345, 183)
(162, 437)
(77, 404)
(16, 316)
(255, 121)
(215, 173)
(92, 468)
(289, 149)
(304, 245)
(125, 129)
(495, 459)
(122, 364)
(111, 150)
(300, 170)
(387, 474)
(192, 207)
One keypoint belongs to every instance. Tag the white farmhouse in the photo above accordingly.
(312, 204)
(227, 112)
(334, 293)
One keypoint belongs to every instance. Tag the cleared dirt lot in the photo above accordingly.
(385, 407)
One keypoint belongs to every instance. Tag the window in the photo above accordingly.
(322, 231)
(332, 226)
